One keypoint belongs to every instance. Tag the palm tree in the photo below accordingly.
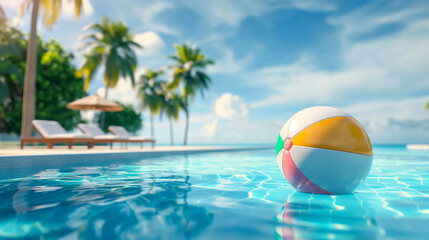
(51, 10)
(3, 19)
(111, 44)
(150, 93)
(172, 105)
(188, 71)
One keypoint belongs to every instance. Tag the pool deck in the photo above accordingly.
(13, 157)
(32, 151)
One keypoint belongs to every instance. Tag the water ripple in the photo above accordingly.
(238, 195)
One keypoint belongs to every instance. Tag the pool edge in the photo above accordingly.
(51, 160)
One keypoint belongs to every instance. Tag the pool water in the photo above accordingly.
(230, 195)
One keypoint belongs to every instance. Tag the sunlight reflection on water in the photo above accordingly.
(239, 195)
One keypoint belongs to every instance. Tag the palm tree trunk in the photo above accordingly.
(103, 114)
(185, 140)
(29, 98)
(171, 133)
(152, 132)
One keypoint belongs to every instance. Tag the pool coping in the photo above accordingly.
(418, 146)
(59, 159)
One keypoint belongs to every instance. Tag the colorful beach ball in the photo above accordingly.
(324, 150)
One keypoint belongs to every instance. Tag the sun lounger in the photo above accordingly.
(52, 132)
(99, 136)
(121, 131)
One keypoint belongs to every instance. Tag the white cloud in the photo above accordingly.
(290, 84)
(228, 64)
(376, 14)
(149, 11)
(377, 68)
(393, 120)
(379, 79)
(227, 12)
(10, 3)
(230, 106)
(151, 42)
(230, 119)
(381, 110)
(313, 5)
(232, 12)
(123, 92)
(403, 55)
(209, 129)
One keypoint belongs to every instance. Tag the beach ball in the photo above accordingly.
(324, 150)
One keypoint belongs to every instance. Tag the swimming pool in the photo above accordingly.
(231, 195)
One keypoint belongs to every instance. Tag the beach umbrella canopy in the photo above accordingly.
(94, 102)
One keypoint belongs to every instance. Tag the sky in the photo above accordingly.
(273, 59)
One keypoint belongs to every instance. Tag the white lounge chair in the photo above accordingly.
(99, 136)
(52, 132)
(121, 131)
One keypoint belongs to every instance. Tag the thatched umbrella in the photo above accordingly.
(94, 102)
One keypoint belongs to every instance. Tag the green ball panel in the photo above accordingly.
(280, 144)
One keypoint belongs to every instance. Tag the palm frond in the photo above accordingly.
(90, 66)
(51, 9)
(188, 71)
(25, 6)
(77, 7)
(113, 42)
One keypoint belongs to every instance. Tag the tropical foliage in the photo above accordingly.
(188, 72)
(111, 45)
(12, 65)
(56, 83)
(427, 106)
(51, 9)
(150, 93)
(128, 118)
(9, 72)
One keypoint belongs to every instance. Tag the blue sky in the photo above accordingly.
(274, 58)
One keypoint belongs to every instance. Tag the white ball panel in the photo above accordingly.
(309, 116)
(335, 171)
(280, 160)
(285, 129)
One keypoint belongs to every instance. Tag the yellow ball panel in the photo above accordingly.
(337, 133)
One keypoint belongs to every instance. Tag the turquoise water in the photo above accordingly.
(231, 195)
